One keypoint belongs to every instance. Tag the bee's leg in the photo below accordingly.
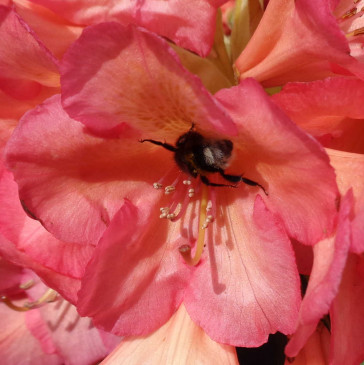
(167, 146)
(237, 178)
(253, 183)
(206, 181)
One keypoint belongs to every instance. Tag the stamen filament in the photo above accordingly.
(356, 32)
(12, 306)
(49, 296)
(186, 250)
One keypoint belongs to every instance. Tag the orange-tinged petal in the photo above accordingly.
(23, 56)
(133, 76)
(180, 340)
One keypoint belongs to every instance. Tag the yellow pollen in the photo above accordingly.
(185, 250)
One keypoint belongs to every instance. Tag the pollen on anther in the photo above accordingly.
(209, 219)
(157, 185)
(187, 182)
(191, 192)
(349, 13)
(164, 212)
(169, 189)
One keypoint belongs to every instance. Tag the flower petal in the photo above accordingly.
(22, 55)
(135, 280)
(347, 315)
(249, 285)
(329, 262)
(30, 237)
(65, 285)
(77, 340)
(72, 181)
(349, 168)
(53, 30)
(331, 109)
(133, 76)
(190, 23)
(289, 42)
(17, 343)
(289, 164)
(179, 338)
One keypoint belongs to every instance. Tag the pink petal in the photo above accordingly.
(304, 257)
(349, 168)
(249, 285)
(179, 338)
(53, 30)
(297, 41)
(357, 227)
(72, 181)
(347, 315)
(30, 237)
(338, 122)
(66, 286)
(23, 56)
(17, 345)
(316, 350)
(191, 23)
(10, 278)
(290, 165)
(329, 262)
(136, 278)
(77, 341)
(133, 76)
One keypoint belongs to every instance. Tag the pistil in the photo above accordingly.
(185, 250)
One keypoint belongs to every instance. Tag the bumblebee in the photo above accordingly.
(199, 156)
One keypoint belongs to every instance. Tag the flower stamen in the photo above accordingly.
(27, 285)
(356, 32)
(49, 296)
(349, 13)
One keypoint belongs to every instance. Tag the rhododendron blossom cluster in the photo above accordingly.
(179, 180)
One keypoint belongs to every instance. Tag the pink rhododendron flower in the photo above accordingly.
(304, 40)
(91, 180)
(189, 23)
(180, 338)
(49, 333)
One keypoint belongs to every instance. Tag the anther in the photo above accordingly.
(187, 182)
(169, 189)
(191, 192)
(164, 212)
(171, 215)
(157, 185)
(349, 13)
(209, 219)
